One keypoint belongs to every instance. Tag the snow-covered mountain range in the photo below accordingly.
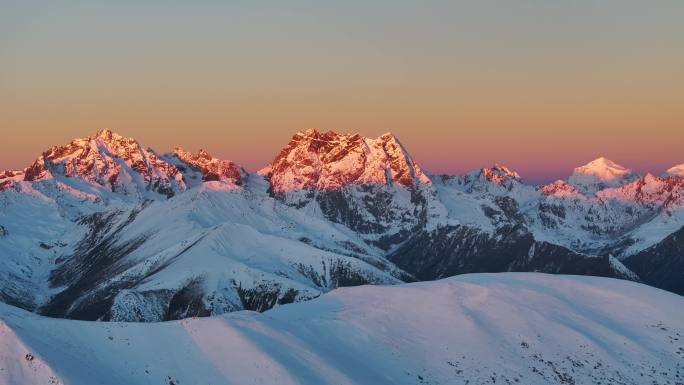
(509, 328)
(103, 228)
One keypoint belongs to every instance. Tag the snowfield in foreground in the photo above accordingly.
(505, 328)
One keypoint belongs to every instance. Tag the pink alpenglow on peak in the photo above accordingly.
(560, 189)
(108, 160)
(599, 174)
(213, 169)
(499, 174)
(8, 178)
(328, 160)
(676, 171)
(649, 189)
(488, 178)
(108, 135)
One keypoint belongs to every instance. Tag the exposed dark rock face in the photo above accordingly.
(188, 302)
(264, 297)
(549, 213)
(550, 258)
(343, 274)
(449, 251)
(662, 265)
(16, 293)
(339, 207)
(372, 210)
(97, 258)
(338, 274)
(458, 250)
(89, 294)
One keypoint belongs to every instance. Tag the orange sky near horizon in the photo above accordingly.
(539, 86)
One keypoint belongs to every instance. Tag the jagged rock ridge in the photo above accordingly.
(328, 160)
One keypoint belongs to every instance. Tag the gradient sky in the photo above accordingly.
(541, 86)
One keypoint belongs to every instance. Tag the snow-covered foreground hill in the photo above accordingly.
(503, 328)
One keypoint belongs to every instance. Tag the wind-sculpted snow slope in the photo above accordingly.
(473, 329)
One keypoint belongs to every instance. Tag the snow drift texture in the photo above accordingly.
(480, 329)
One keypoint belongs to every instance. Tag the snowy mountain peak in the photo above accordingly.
(649, 190)
(496, 180)
(561, 189)
(107, 135)
(603, 168)
(91, 147)
(676, 171)
(601, 173)
(105, 160)
(212, 169)
(499, 173)
(330, 160)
